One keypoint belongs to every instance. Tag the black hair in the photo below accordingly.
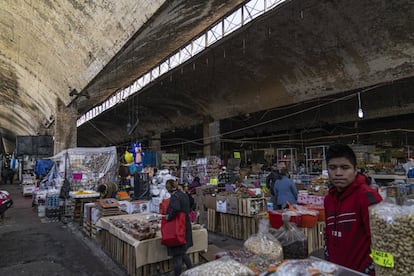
(341, 150)
(284, 172)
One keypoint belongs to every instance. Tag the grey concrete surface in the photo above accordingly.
(29, 246)
(33, 246)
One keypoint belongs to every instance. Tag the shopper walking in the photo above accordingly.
(179, 202)
(347, 232)
(285, 191)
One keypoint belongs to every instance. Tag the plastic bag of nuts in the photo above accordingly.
(392, 229)
(263, 243)
(294, 242)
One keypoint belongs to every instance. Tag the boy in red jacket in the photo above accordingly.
(347, 231)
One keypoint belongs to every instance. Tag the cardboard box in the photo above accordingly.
(155, 204)
(95, 214)
(206, 190)
(221, 204)
(210, 202)
(123, 205)
(232, 205)
(139, 206)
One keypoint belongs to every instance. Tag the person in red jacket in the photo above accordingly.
(347, 230)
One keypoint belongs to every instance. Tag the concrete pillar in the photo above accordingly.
(211, 138)
(154, 143)
(65, 127)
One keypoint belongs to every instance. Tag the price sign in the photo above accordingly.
(213, 181)
(382, 258)
(236, 154)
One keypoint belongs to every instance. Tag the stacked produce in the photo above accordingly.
(257, 263)
(223, 266)
(139, 229)
(392, 228)
(294, 242)
(264, 254)
(319, 185)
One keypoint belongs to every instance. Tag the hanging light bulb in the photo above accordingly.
(360, 111)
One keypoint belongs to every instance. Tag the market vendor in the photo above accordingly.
(347, 232)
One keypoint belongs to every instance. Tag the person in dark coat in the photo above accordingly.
(285, 190)
(179, 202)
(270, 183)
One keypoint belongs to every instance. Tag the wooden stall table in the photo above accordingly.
(235, 216)
(146, 257)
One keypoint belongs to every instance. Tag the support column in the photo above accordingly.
(65, 127)
(211, 138)
(154, 142)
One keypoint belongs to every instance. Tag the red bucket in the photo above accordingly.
(276, 221)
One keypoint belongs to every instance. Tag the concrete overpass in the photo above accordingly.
(310, 59)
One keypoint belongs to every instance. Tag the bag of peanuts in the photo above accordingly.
(223, 266)
(392, 246)
(263, 243)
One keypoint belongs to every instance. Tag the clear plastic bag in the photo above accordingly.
(224, 266)
(257, 263)
(294, 242)
(305, 267)
(263, 243)
(392, 232)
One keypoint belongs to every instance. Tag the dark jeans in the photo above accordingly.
(178, 263)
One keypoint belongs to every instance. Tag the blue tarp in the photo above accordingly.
(43, 166)
(149, 158)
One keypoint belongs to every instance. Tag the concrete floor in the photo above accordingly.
(32, 246)
(29, 246)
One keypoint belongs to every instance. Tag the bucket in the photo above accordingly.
(319, 208)
(276, 221)
(308, 220)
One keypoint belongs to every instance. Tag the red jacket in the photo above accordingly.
(347, 231)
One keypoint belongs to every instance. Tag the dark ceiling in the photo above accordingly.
(291, 77)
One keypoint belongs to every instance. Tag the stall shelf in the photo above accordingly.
(287, 156)
(28, 184)
(145, 257)
(315, 159)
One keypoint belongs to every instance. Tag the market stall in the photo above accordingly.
(270, 253)
(147, 256)
(77, 174)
